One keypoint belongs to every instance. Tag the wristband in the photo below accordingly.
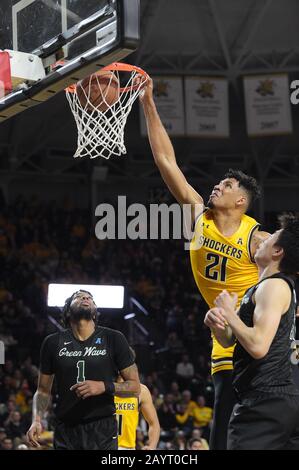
(109, 388)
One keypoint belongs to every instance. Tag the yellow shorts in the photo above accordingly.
(222, 358)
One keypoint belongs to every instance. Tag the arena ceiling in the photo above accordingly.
(224, 36)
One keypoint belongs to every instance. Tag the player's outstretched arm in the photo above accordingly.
(41, 401)
(163, 153)
(150, 415)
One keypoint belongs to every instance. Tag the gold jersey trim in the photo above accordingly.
(215, 370)
(256, 227)
(224, 363)
(221, 363)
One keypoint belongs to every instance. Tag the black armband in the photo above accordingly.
(109, 388)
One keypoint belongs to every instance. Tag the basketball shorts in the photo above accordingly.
(223, 406)
(265, 421)
(95, 435)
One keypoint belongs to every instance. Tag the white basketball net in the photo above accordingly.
(101, 133)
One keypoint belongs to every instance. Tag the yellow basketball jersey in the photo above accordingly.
(218, 263)
(127, 412)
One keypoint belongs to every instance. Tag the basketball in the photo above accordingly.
(100, 90)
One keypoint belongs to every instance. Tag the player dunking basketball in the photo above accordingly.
(228, 243)
(266, 416)
(85, 360)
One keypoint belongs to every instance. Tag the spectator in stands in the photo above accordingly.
(8, 367)
(22, 397)
(201, 365)
(157, 382)
(14, 425)
(6, 444)
(186, 400)
(5, 388)
(156, 396)
(166, 415)
(9, 408)
(17, 379)
(175, 392)
(180, 441)
(174, 318)
(202, 415)
(198, 444)
(174, 345)
(184, 418)
(184, 371)
(29, 370)
(3, 434)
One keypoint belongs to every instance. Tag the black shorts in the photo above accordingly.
(223, 407)
(265, 422)
(95, 435)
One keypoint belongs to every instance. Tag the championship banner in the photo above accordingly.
(206, 107)
(268, 108)
(168, 95)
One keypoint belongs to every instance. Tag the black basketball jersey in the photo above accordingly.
(100, 358)
(272, 373)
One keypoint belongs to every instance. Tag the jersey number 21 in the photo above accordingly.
(216, 270)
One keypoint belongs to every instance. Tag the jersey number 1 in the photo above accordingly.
(212, 270)
(81, 371)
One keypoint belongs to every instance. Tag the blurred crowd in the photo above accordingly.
(44, 242)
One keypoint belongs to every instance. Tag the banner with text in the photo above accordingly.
(168, 95)
(268, 108)
(207, 112)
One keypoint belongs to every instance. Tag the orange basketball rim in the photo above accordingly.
(101, 129)
(121, 67)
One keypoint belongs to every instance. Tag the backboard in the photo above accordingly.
(85, 34)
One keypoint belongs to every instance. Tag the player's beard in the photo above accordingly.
(210, 204)
(82, 313)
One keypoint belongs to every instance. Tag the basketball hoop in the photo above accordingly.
(101, 122)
